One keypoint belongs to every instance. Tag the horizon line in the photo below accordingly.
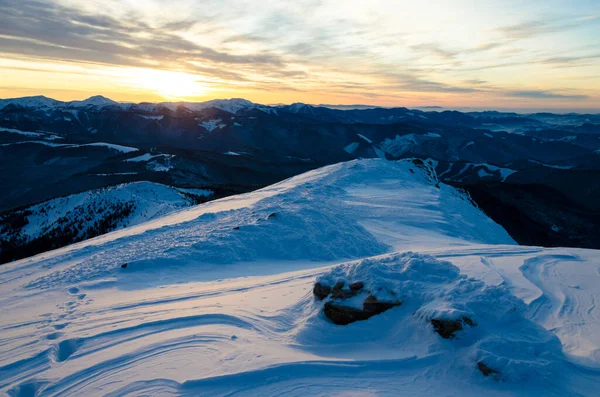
(342, 107)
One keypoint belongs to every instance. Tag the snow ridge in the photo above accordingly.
(217, 299)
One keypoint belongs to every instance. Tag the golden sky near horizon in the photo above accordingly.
(529, 54)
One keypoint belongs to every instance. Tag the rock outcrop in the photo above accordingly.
(344, 314)
(447, 328)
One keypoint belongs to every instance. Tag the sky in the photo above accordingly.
(451, 53)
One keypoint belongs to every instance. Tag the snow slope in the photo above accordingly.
(151, 200)
(83, 215)
(216, 299)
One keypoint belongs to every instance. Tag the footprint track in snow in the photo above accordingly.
(65, 313)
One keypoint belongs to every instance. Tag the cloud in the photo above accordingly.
(532, 28)
(573, 60)
(308, 46)
(541, 94)
(475, 82)
(435, 49)
(47, 30)
(486, 46)
(413, 82)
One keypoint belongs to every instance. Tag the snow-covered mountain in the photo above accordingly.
(94, 101)
(98, 102)
(541, 170)
(42, 102)
(218, 299)
(233, 105)
(66, 220)
(38, 101)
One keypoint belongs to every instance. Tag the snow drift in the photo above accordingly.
(217, 299)
(497, 333)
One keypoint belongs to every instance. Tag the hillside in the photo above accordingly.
(218, 299)
(50, 149)
(67, 220)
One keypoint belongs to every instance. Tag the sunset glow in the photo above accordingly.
(387, 52)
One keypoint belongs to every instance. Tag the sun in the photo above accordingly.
(167, 84)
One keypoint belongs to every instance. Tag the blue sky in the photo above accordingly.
(536, 54)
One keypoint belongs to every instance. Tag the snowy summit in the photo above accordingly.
(239, 296)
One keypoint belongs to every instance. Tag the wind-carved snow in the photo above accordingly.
(308, 222)
(216, 299)
(432, 289)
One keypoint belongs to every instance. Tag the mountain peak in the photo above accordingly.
(299, 107)
(30, 102)
(96, 100)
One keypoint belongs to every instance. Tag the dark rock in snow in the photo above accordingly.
(321, 291)
(124, 265)
(447, 328)
(344, 315)
(272, 215)
(485, 370)
(236, 228)
(417, 162)
(341, 314)
(339, 292)
(372, 305)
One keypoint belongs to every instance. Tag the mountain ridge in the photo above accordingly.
(52, 152)
(216, 298)
(241, 103)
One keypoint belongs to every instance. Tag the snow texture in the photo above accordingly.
(148, 200)
(217, 299)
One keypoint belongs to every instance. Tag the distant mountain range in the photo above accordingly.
(538, 175)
